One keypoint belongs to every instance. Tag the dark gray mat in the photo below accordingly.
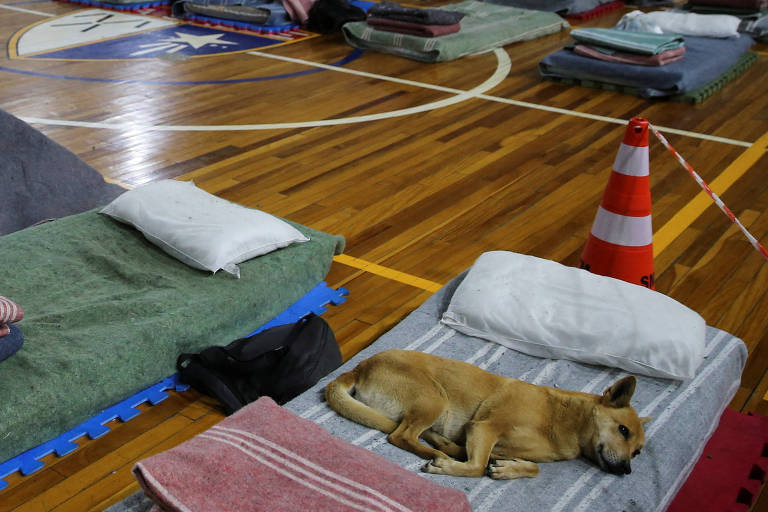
(41, 179)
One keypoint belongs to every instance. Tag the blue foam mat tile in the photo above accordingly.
(314, 301)
(362, 4)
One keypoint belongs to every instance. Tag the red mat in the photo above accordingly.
(732, 468)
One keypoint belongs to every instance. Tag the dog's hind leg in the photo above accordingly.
(414, 423)
(481, 438)
(512, 468)
(444, 444)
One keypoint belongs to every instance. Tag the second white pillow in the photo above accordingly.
(200, 229)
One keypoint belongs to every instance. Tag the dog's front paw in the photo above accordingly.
(509, 469)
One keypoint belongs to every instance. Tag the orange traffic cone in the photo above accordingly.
(620, 244)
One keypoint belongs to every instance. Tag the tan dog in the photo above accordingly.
(467, 413)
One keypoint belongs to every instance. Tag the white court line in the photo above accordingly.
(460, 96)
(498, 99)
(502, 70)
(28, 11)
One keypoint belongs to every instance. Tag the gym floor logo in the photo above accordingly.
(97, 34)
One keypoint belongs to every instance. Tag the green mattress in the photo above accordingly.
(107, 313)
(485, 26)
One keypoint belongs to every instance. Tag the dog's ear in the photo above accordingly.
(620, 393)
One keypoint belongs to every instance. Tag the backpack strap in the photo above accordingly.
(197, 375)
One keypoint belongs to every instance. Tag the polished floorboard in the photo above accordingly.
(422, 167)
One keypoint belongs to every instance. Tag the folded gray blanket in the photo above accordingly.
(40, 179)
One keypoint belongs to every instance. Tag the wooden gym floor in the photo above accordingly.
(421, 167)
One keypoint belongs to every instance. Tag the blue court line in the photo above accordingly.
(355, 54)
(314, 301)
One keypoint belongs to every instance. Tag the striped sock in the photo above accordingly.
(9, 311)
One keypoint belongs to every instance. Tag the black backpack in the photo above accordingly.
(280, 363)
(328, 16)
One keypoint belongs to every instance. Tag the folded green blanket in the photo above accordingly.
(485, 26)
(107, 313)
(644, 43)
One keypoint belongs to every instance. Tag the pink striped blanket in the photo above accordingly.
(9, 312)
(264, 457)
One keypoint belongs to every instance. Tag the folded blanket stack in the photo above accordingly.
(393, 17)
(641, 48)
(264, 457)
(10, 335)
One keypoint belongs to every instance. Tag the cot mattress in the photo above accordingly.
(684, 416)
(705, 60)
(107, 314)
(485, 26)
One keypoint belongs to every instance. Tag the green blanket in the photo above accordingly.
(644, 43)
(484, 27)
(107, 313)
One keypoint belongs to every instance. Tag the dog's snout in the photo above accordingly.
(620, 468)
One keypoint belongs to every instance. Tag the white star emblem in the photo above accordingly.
(181, 41)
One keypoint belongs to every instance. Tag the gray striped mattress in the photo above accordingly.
(684, 416)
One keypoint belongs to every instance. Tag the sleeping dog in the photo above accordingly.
(477, 422)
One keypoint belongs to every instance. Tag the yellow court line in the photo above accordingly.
(690, 212)
(661, 238)
(389, 273)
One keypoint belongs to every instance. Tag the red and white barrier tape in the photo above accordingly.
(709, 191)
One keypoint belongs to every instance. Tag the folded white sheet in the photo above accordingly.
(683, 23)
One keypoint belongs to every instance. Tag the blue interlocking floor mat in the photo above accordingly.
(315, 301)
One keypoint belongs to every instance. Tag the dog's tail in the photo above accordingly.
(338, 394)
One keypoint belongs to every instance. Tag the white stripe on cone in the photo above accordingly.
(621, 229)
(631, 160)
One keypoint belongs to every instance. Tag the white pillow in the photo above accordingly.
(198, 228)
(546, 309)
